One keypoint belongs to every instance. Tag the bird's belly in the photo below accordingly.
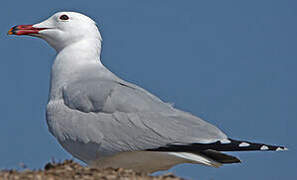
(140, 161)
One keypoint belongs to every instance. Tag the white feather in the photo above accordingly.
(195, 158)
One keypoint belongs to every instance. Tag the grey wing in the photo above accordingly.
(110, 96)
(129, 118)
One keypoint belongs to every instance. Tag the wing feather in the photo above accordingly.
(119, 117)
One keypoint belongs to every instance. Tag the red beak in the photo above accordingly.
(24, 30)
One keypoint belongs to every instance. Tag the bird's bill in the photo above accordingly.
(24, 30)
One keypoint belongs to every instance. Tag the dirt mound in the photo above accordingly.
(69, 170)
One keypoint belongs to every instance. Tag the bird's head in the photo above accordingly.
(61, 29)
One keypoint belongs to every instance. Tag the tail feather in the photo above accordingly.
(220, 157)
(208, 157)
(197, 158)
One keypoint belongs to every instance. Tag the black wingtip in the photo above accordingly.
(221, 145)
(239, 145)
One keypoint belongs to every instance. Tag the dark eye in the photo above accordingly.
(64, 17)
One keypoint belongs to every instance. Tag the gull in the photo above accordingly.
(108, 122)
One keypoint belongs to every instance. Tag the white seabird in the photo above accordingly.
(108, 122)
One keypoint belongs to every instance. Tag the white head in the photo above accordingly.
(61, 29)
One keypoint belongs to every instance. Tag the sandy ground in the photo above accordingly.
(69, 170)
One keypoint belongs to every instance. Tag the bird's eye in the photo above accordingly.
(64, 17)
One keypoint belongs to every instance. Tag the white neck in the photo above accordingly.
(71, 61)
(82, 51)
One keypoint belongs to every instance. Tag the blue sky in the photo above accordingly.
(233, 63)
